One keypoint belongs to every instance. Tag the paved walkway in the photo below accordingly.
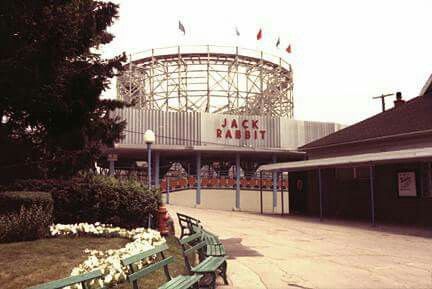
(273, 252)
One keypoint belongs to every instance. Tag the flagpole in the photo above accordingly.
(178, 35)
(277, 46)
(181, 38)
(258, 40)
(237, 36)
(257, 44)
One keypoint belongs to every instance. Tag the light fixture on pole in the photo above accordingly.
(149, 139)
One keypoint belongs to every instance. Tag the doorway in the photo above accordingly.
(297, 193)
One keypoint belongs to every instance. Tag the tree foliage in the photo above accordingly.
(51, 79)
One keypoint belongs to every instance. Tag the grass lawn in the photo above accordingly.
(25, 264)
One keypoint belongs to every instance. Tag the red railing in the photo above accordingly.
(176, 184)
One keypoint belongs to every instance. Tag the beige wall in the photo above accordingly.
(199, 128)
(225, 200)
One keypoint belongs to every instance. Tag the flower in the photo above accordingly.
(109, 261)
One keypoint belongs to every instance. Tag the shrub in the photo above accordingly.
(25, 215)
(98, 199)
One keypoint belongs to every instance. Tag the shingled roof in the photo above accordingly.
(413, 116)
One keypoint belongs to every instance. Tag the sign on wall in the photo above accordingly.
(240, 129)
(202, 128)
(407, 184)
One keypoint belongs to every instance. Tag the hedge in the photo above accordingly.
(25, 215)
(98, 199)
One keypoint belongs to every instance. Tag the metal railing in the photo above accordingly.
(219, 49)
(172, 184)
(208, 78)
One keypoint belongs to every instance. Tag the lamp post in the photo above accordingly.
(149, 139)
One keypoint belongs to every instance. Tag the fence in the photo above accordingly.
(171, 184)
(220, 194)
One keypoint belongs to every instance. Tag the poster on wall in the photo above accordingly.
(407, 184)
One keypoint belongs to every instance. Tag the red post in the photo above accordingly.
(163, 220)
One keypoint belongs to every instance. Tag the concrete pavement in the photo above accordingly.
(272, 252)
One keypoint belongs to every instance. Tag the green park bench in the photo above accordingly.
(179, 282)
(210, 265)
(214, 246)
(186, 224)
(82, 279)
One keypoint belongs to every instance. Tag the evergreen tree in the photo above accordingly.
(51, 79)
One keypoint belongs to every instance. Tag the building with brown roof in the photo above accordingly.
(378, 169)
(406, 125)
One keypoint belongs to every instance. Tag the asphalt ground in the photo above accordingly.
(275, 252)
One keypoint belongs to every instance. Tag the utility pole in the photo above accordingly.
(382, 96)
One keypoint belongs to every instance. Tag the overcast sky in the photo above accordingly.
(344, 52)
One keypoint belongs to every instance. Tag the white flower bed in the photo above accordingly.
(109, 261)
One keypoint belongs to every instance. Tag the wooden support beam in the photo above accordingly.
(372, 201)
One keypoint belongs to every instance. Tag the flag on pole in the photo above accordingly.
(237, 32)
(278, 42)
(288, 49)
(181, 27)
(259, 35)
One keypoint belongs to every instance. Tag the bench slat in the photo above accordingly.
(191, 280)
(215, 250)
(173, 283)
(190, 238)
(69, 280)
(197, 229)
(210, 236)
(148, 269)
(194, 248)
(143, 255)
(187, 218)
(204, 264)
(210, 264)
(181, 282)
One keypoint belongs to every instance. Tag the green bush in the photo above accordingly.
(98, 199)
(25, 215)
